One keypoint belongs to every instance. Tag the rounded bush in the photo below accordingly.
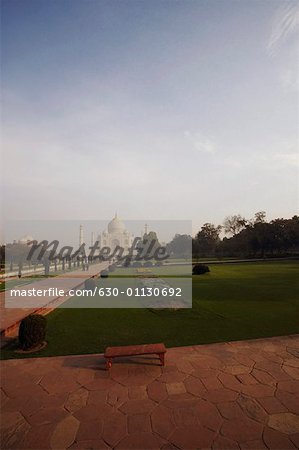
(32, 331)
(137, 264)
(148, 264)
(200, 269)
(111, 268)
(104, 274)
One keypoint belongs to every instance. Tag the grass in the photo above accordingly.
(232, 302)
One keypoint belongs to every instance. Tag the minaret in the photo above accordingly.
(145, 228)
(92, 239)
(81, 236)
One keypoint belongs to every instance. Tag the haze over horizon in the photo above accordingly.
(159, 109)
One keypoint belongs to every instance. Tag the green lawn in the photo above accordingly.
(233, 301)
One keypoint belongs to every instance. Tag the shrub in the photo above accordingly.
(111, 268)
(137, 264)
(104, 274)
(159, 264)
(148, 264)
(200, 269)
(32, 331)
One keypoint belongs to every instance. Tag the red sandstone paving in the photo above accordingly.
(236, 395)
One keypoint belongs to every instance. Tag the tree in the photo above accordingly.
(208, 238)
(259, 217)
(234, 224)
(148, 245)
(180, 246)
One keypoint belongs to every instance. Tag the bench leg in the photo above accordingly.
(161, 356)
(108, 363)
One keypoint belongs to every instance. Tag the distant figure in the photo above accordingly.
(86, 263)
(20, 271)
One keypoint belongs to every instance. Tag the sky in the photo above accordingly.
(158, 109)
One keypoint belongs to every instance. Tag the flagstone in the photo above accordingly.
(276, 440)
(115, 428)
(263, 377)
(252, 409)
(65, 432)
(201, 372)
(97, 398)
(157, 391)
(194, 386)
(37, 438)
(138, 441)
(292, 362)
(116, 396)
(285, 422)
(295, 439)
(291, 386)
(274, 370)
(13, 427)
(47, 415)
(272, 405)
(91, 430)
(257, 444)
(138, 392)
(258, 390)
(25, 390)
(192, 437)
(289, 400)
(222, 443)
(180, 401)
(242, 429)
(175, 388)
(229, 410)
(138, 379)
(293, 351)
(208, 415)
(138, 406)
(89, 444)
(230, 381)
(246, 378)
(172, 377)
(162, 421)
(230, 395)
(237, 369)
(243, 359)
(292, 371)
(85, 376)
(100, 384)
(220, 395)
(76, 400)
(139, 423)
(185, 416)
(93, 412)
(211, 383)
(185, 366)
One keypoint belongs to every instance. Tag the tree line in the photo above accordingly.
(254, 238)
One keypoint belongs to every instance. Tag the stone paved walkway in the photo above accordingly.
(11, 315)
(231, 395)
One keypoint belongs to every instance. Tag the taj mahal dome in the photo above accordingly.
(116, 235)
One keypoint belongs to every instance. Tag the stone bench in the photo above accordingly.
(134, 350)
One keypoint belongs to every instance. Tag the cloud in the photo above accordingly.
(200, 142)
(289, 159)
(289, 79)
(285, 22)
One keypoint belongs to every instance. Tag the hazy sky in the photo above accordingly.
(156, 109)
